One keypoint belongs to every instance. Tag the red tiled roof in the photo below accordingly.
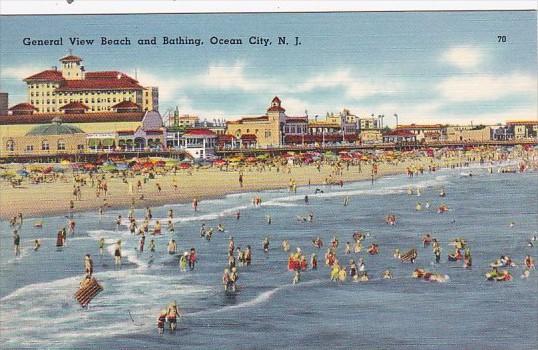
(70, 58)
(105, 80)
(126, 105)
(226, 137)
(276, 109)
(107, 74)
(276, 99)
(74, 105)
(46, 75)
(112, 117)
(100, 83)
(23, 107)
(199, 132)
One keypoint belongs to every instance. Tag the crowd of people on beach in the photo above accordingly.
(344, 262)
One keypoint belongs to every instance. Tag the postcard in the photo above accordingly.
(269, 180)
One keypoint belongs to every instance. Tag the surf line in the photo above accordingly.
(261, 298)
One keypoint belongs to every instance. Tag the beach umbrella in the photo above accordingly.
(58, 169)
(122, 166)
(109, 167)
(36, 168)
(184, 166)
(65, 161)
(89, 166)
(160, 163)
(147, 165)
(8, 174)
(47, 170)
(171, 162)
(219, 162)
(136, 167)
(251, 159)
(22, 172)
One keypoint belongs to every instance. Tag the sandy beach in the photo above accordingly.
(44, 199)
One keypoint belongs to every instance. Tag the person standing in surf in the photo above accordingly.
(17, 242)
(117, 254)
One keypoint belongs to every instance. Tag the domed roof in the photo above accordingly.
(54, 128)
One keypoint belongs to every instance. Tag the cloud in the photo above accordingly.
(486, 87)
(17, 72)
(231, 77)
(353, 86)
(463, 57)
(169, 88)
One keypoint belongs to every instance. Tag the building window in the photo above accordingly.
(29, 148)
(10, 145)
(45, 145)
(61, 145)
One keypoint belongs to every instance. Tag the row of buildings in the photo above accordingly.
(74, 111)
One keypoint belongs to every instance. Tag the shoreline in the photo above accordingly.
(218, 185)
(48, 199)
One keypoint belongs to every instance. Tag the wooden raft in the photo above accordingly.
(86, 293)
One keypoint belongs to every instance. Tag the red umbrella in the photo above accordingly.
(184, 166)
(160, 163)
(137, 167)
(147, 165)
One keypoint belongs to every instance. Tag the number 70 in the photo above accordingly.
(501, 38)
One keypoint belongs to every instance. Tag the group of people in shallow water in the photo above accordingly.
(340, 269)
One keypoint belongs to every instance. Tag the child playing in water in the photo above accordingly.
(161, 320)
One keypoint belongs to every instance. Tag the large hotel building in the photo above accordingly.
(50, 90)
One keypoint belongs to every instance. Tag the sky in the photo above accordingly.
(427, 67)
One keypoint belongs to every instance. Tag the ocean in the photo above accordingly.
(37, 308)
